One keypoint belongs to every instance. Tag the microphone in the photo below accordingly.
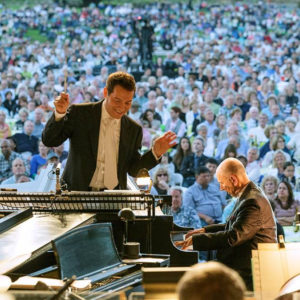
(57, 173)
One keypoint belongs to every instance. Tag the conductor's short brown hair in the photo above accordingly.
(123, 79)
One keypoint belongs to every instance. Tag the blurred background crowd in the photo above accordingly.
(225, 78)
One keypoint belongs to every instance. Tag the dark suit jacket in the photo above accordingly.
(251, 222)
(81, 125)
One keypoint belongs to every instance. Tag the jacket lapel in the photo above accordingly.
(123, 142)
(95, 128)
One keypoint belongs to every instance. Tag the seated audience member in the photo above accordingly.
(184, 216)
(230, 151)
(61, 153)
(257, 134)
(270, 101)
(253, 165)
(209, 122)
(221, 132)
(23, 116)
(294, 146)
(6, 158)
(38, 160)
(290, 123)
(161, 109)
(164, 163)
(243, 159)
(18, 169)
(280, 126)
(26, 143)
(209, 141)
(270, 131)
(289, 174)
(147, 134)
(38, 122)
(211, 281)
(183, 149)
(233, 137)
(200, 118)
(279, 160)
(205, 198)
(52, 158)
(134, 112)
(269, 186)
(4, 127)
(161, 182)
(285, 206)
(252, 118)
(229, 105)
(212, 165)
(192, 114)
(276, 115)
(9, 103)
(192, 162)
(175, 124)
(153, 118)
(277, 142)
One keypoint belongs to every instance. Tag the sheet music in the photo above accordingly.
(273, 266)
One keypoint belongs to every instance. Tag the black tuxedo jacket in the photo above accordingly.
(81, 125)
(251, 222)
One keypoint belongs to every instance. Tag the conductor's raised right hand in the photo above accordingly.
(61, 103)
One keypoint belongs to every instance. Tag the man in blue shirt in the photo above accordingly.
(205, 198)
(183, 215)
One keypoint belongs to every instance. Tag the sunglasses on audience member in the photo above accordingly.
(163, 174)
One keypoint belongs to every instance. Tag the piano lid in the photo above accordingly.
(88, 252)
(35, 233)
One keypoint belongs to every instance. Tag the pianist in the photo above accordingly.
(104, 141)
(251, 222)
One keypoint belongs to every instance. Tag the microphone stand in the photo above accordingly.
(57, 173)
(64, 288)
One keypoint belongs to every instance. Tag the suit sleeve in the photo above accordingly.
(245, 226)
(56, 132)
(214, 228)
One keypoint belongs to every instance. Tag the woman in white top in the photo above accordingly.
(277, 143)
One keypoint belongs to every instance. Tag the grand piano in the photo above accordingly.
(54, 231)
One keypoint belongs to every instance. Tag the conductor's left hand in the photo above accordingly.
(163, 143)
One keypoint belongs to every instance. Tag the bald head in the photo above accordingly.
(232, 166)
(232, 176)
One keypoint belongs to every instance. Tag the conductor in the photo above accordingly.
(104, 141)
(251, 222)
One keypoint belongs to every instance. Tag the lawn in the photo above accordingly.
(35, 35)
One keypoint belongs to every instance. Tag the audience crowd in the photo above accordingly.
(225, 78)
